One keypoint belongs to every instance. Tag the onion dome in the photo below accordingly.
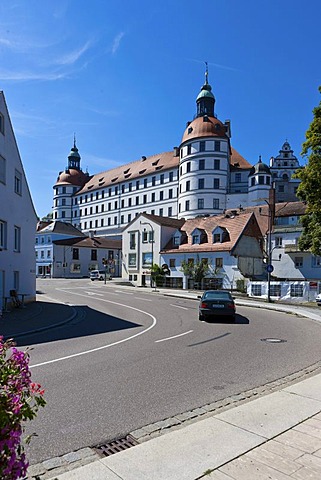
(260, 167)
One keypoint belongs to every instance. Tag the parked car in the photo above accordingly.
(99, 275)
(318, 299)
(216, 303)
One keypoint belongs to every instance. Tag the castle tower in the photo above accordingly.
(260, 182)
(69, 181)
(204, 160)
(282, 168)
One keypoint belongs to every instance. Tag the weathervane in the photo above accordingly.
(206, 73)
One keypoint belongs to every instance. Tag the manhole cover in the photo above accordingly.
(273, 340)
(116, 446)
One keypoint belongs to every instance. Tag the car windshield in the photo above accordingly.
(217, 295)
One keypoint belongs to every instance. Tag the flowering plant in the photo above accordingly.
(20, 400)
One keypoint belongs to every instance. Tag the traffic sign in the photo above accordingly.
(269, 268)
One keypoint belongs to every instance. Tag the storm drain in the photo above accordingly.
(116, 446)
(273, 340)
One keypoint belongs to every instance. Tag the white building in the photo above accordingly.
(62, 251)
(229, 244)
(47, 233)
(205, 175)
(17, 217)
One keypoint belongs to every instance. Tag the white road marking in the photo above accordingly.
(175, 336)
(103, 346)
(177, 306)
(146, 299)
(125, 293)
(94, 293)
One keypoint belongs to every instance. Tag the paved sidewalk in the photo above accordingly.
(275, 437)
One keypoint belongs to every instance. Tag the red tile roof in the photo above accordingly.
(235, 226)
(135, 170)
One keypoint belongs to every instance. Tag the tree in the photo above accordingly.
(195, 270)
(309, 189)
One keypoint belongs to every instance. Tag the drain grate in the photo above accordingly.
(116, 446)
(273, 340)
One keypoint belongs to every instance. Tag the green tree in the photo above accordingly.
(195, 270)
(309, 189)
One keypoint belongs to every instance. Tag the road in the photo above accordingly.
(130, 358)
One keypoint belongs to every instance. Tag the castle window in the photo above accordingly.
(217, 164)
(202, 146)
(200, 203)
(216, 203)
(217, 146)
(252, 182)
(261, 180)
(188, 167)
(216, 183)
(201, 183)
(201, 165)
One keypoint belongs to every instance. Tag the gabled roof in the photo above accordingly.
(64, 228)
(162, 221)
(244, 223)
(88, 242)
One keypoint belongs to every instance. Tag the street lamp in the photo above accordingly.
(152, 230)
(271, 205)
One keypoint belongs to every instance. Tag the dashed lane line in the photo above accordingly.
(174, 336)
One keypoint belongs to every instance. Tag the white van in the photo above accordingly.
(99, 275)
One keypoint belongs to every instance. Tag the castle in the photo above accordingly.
(204, 176)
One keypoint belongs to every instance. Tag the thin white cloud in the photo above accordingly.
(116, 42)
(25, 76)
(72, 57)
(5, 42)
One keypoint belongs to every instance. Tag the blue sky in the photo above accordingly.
(124, 75)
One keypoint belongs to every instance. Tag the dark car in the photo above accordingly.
(216, 303)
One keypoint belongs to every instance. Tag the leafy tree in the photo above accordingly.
(195, 270)
(309, 189)
(158, 273)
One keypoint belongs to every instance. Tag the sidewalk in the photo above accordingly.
(275, 437)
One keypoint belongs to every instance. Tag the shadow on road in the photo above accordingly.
(42, 322)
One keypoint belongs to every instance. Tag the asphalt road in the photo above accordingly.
(130, 358)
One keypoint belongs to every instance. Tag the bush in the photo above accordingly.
(20, 400)
(240, 285)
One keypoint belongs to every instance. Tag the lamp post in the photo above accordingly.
(271, 205)
(152, 230)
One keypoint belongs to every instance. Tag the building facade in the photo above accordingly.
(230, 245)
(63, 251)
(204, 175)
(17, 217)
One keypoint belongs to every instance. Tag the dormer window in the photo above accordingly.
(219, 235)
(217, 238)
(195, 239)
(198, 236)
(177, 240)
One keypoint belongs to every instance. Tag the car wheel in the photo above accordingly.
(201, 318)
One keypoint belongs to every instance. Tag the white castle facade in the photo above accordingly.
(204, 176)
